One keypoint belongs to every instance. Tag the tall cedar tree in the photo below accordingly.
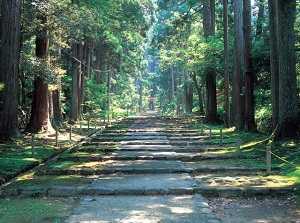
(226, 64)
(39, 119)
(210, 76)
(248, 69)
(237, 79)
(274, 62)
(287, 89)
(9, 67)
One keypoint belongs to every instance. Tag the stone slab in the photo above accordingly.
(215, 167)
(145, 142)
(149, 184)
(151, 133)
(142, 138)
(62, 191)
(139, 155)
(142, 209)
(146, 148)
(145, 166)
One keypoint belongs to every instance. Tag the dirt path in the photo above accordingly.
(267, 210)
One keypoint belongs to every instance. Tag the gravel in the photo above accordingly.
(266, 210)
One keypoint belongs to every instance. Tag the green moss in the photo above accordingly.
(45, 181)
(27, 210)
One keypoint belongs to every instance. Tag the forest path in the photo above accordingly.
(155, 169)
(145, 180)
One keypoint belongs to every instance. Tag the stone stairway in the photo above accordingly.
(145, 179)
(134, 170)
(148, 169)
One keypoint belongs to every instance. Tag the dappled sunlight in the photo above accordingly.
(254, 143)
(181, 210)
(139, 209)
(138, 216)
(89, 165)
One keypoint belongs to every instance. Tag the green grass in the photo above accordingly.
(15, 159)
(76, 165)
(39, 210)
(45, 181)
(254, 144)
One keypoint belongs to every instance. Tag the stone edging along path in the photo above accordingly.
(150, 156)
(149, 151)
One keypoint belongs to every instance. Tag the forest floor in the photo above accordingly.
(248, 172)
(266, 210)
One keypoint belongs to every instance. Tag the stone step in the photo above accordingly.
(183, 209)
(105, 143)
(214, 166)
(226, 192)
(142, 130)
(170, 155)
(146, 184)
(219, 180)
(126, 167)
(124, 139)
(144, 167)
(97, 190)
(139, 134)
(164, 148)
(195, 143)
(181, 131)
(146, 142)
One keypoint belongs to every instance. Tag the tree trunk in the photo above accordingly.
(248, 69)
(260, 18)
(109, 94)
(40, 120)
(288, 100)
(178, 94)
(56, 101)
(81, 73)
(140, 86)
(210, 75)
(274, 52)
(172, 85)
(237, 79)
(9, 67)
(188, 92)
(75, 79)
(226, 65)
(198, 89)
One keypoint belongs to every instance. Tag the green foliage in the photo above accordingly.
(263, 118)
(35, 209)
(1, 86)
(14, 158)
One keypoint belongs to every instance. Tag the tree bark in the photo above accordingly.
(288, 100)
(75, 79)
(188, 92)
(9, 67)
(39, 119)
(171, 85)
(198, 89)
(89, 56)
(178, 93)
(237, 79)
(274, 52)
(81, 72)
(226, 65)
(260, 18)
(210, 75)
(56, 94)
(248, 69)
